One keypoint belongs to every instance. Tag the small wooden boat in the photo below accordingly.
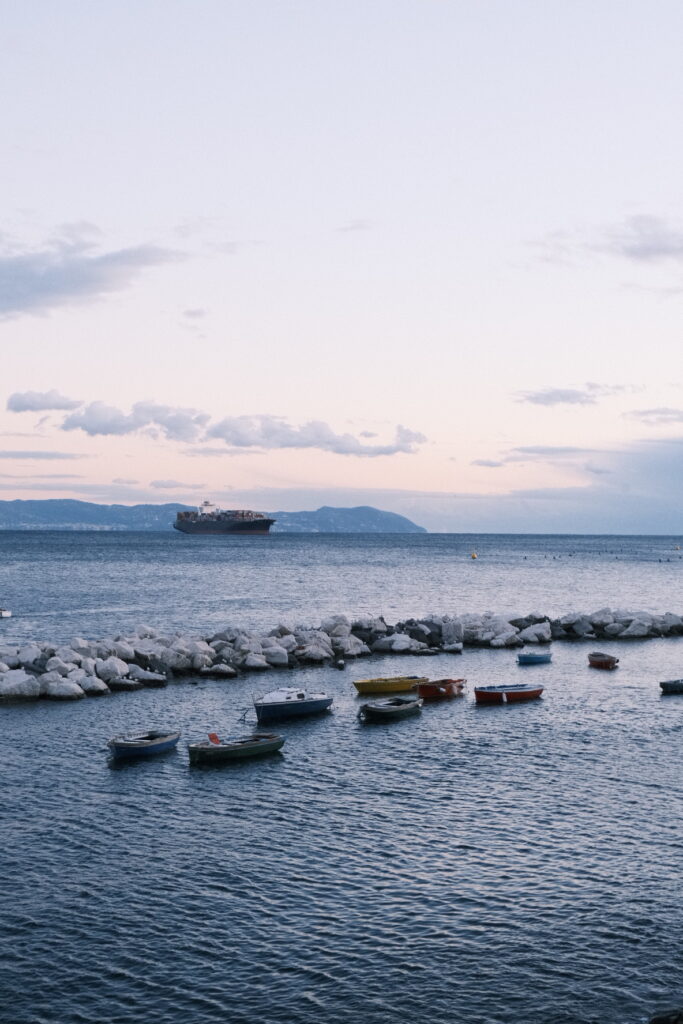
(441, 689)
(672, 686)
(217, 751)
(143, 744)
(288, 702)
(389, 684)
(390, 710)
(596, 659)
(534, 657)
(506, 693)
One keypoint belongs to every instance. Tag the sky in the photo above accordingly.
(425, 255)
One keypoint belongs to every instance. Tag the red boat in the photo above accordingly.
(599, 660)
(441, 689)
(506, 693)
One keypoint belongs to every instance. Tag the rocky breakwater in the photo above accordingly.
(147, 658)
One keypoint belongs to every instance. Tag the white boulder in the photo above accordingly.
(539, 633)
(93, 687)
(451, 632)
(62, 690)
(219, 671)
(255, 662)
(29, 655)
(336, 625)
(15, 684)
(56, 664)
(276, 656)
(350, 647)
(111, 668)
(638, 628)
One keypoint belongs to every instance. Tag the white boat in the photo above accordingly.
(5, 613)
(289, 702)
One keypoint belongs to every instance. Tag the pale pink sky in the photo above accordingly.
(418, 255)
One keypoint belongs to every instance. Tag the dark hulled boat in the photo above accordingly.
(209, 518)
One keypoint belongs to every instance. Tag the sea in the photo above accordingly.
(477, 865)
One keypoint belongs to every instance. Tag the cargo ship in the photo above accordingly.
(209, 518)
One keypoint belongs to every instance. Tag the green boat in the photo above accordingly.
(217, 751)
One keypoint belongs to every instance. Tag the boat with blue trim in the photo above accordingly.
(534, 657)
(289, 702)
(143, 744)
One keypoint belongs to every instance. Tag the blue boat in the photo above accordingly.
(534, 657)
(289, 702)
(143, 744)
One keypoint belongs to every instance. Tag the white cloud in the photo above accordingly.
(240, 433)
(174, 423)
(273, 432)
(39, 455)
(586, 395)
(39, 401)
(174, 485)
(67, 270)
(644, 239)
(653, 417)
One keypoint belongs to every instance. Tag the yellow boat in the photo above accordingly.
(388, 684)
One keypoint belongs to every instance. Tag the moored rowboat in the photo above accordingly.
(143, 744)
(390, 710)
(597, 659)
(534, 657)
(389, 684)
(441, 689)
(506, 693)
(672, 686)
(288, 702)
(217, 751)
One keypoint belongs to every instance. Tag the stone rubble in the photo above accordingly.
(148, 658)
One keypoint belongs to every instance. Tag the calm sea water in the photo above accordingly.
(476, 865)
(61, 585)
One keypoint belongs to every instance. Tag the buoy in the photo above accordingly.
(473, 555)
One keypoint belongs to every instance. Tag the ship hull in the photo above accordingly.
(261, 526)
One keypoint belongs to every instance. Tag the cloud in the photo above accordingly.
(587, 395)
(653, 417)
(254, 434)
(273, 432)
(558, 396)
(124, 480)
(40, 455)
(174, 485)
(39, 401)
(548, 451)
(43, 476)
(222, 452)
(98, 418)
(490, 463)
(174, 423)
(644, 239)
(67, 270)
(194, 314)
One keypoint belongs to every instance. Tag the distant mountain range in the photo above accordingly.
(65, 514)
